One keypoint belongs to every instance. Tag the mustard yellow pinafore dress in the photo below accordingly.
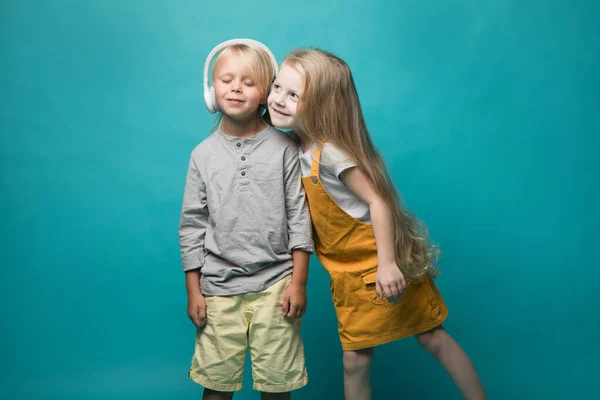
(346, 248)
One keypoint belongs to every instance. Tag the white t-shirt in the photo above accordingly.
(333, 163)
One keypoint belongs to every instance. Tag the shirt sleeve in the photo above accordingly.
(298, 215)
(335, 161)
(193, 220)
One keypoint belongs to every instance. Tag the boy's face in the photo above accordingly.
(284, 97)
(236, 92)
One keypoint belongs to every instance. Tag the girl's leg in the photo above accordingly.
(454, 360)
(214, 395)
(357, 368)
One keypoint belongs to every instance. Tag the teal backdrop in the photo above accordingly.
(487, 113)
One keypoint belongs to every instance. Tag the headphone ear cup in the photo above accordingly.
(213, 100)
(209, 100)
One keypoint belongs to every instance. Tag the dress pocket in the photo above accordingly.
(369, 279)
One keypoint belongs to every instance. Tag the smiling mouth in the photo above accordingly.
(235, 101)
(280, 113)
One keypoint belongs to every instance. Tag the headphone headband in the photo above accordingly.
(209, 91)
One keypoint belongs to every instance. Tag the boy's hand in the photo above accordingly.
(196, 309)
(390, 282)
(294, 300)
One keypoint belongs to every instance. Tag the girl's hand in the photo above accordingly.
(390, 282)
(196, 309)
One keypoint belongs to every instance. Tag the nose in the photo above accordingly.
(236, 86)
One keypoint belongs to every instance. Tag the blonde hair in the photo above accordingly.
(261, 70)
(330, 108)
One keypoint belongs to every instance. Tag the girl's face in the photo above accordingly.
(236, 93)
(284, 97)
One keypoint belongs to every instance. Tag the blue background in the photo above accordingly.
(486, 111)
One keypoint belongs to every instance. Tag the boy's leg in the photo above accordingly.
(275, 396)
(454, 360)
(221, 346)
(214, 395)
(357, 374)
(276, 348)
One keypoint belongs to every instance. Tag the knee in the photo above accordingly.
(357, 362)
(433, 340)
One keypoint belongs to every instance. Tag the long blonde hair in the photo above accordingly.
(330, 108)
(261, 67)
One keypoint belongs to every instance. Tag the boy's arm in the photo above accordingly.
(296, 207)
(192, 231)
(193, 220)
(300, 235)
(196, 309)
(301, 260)
(294, 297)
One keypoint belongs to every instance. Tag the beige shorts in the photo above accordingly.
(254, 321)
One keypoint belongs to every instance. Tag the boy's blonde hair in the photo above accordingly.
(330, 108)
(261, 67)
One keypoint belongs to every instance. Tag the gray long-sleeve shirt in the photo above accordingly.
(244, 211)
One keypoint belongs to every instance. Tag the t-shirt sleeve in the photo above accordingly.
(335, 161)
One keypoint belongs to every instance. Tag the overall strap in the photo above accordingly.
(314, 170)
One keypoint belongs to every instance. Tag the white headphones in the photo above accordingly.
(209, 91)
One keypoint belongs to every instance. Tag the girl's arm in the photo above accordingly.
(390, 280)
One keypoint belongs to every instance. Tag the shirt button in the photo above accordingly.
(238, 144)
(243, 158)
(243, 173)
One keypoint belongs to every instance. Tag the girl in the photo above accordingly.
(381, 267)
(244, 228)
